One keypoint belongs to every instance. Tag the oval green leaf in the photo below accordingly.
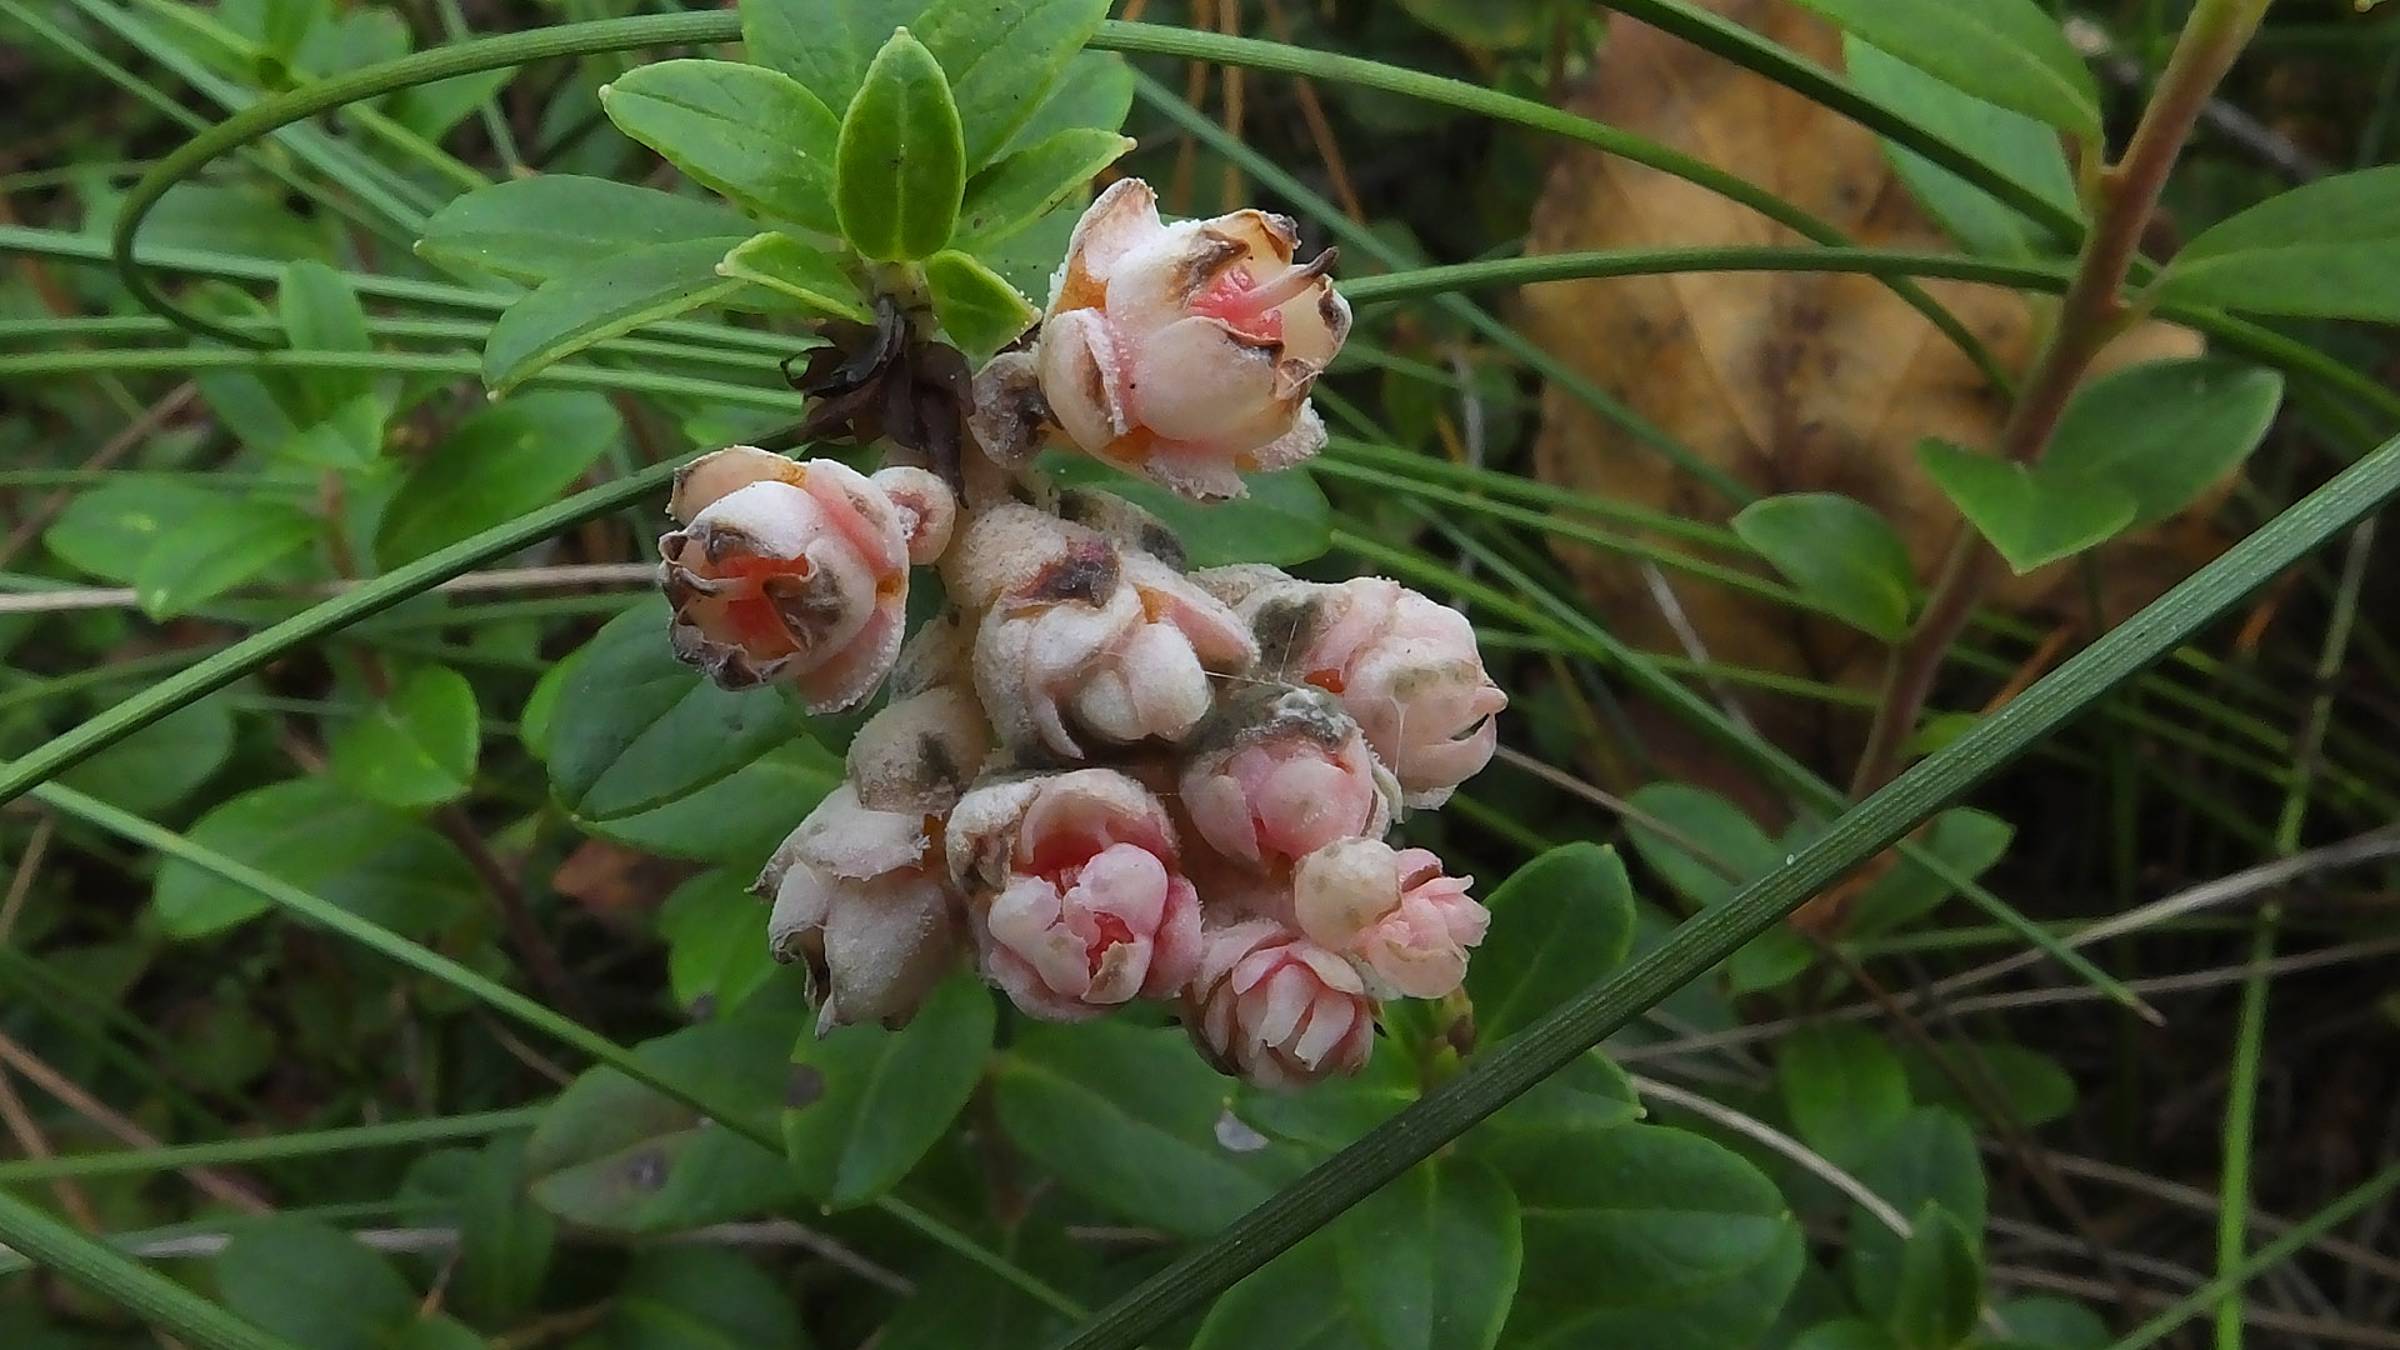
(744, 131)
(1016, 191)
(902, 159)
(1559, 923)
(2031, 518)
(607, 299)
(2008, 52)
(979, 310)
(416, 747)
(533, 229)
(1839, 554)
(2329, 249)
(2164, 432)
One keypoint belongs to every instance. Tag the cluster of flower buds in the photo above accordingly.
(1100, 775)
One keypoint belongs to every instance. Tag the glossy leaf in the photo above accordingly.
(202, 557)
(1838, 554)
(533, 229)
(716, 942)
(365, 857)
(1707, 852)
(784, 265)
(866, 1103)
(746, 132)
(2024, 150)
(1019, 189)
(1928, 1158)
(2008, 52)
(824, 44)
(738, 820)
(1941, 1283)
(1003, 57)
(606, 299)
(1126, 1117)
(1558, 923)
(635, 728)
(496, 465)
(1095, 91)
(979, 310)
(1285, 519)
(1842, 1087)
(901, 157)
(2031, 518)
(416, 747)
(2163, 432)
(2327, 249)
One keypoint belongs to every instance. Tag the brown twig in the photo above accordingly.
(215, 1184)
(20, 883)
(35, 1145)
(525, 933)
(2092, 312)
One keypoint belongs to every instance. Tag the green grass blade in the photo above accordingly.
(1701, 942)
(273, 1148)
(153, 1297)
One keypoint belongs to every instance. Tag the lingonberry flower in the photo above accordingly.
(1404, 666)
(1279, 1010)
(920, 753)
(1279, 772)
(1085, 642)
(796, 571)
(859, 900)
(1077, 899)
(1181, 352)
(1392, 912)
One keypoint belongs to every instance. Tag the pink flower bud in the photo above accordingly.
(1392, 912)
(1273, 1007)
(1078, 900)
(800, 573)
(1404, 666)
(1181, 352)
(856, 900)
(1279, 772)
(1084, 641)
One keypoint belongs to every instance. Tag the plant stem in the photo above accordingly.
(2090, 315)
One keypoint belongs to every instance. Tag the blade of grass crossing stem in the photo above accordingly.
(1707, 717)
(1701, 942)
(157, 1300)
(212, 673)
(273, 1148)
(2266, 1258)
(504, 1000)
(2241, 1111)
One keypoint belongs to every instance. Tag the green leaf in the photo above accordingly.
(636, 729)
(1963, 838)
(1645, 1236)
(608, 298)
(313, 1285)
(980, 311)
(743, 131)
(1333, 1113)
(1848, 1334)
(2031, 518)
(1941, 1283)
(2328, 249)
(2008, 52)
(1003, 57)
(824, 44)
(495, 466)
(164, 762)
(866, 1103)
(2043, 1323)
(505, 1240)
(533, 229)
(108, 531)
(1126, 1117)
(807, 274)
(209, 554)
(716, 942)
(415, 748)
(1096, 91)
(363, 856)
(2163, 432)
(1427, 1263)
(1558, 923)
(347, 440)
(2024, 150)
(1019, 189)
(902, 160)
(1839, 554)
(320, 313)
(2034, 1087)
(1591, 1093)
(698, 1298)
(615, 1155)
(1928, 1158)
(738, 820)
(1708, 852)
(1842, 1087)
(1285, 519)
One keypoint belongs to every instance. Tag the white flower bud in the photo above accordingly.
(856, 901)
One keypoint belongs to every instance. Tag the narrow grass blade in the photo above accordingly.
(153, 1297)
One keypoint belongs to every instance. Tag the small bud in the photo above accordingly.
(928, 509)
(1278, 772)
(800, 575)
(1270, 1006)
(920, 752)
(1182, 352)
(1404, 666)
(856, 901)
(1392, 913)
(1084, 641)
(1076, 895)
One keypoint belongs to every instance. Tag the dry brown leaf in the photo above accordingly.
(1788, 382)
